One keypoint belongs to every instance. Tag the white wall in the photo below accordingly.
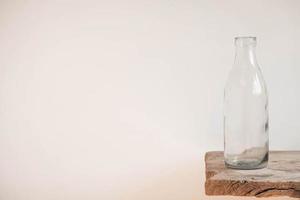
(120, 99)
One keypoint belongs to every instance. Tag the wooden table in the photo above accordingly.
(280, 178)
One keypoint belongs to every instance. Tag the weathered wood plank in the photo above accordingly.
(280, 178)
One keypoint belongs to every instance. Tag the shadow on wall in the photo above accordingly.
(183, 181)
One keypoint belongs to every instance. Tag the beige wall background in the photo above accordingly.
(121, 99)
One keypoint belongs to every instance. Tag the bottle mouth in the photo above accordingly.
(245, 41)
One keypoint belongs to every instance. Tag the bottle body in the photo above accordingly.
(246, 140)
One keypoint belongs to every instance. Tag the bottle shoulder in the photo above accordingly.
(246, 79)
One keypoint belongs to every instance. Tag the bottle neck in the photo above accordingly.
(245, 55)
(245, 51)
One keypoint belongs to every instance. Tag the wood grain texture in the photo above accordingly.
(280, 178)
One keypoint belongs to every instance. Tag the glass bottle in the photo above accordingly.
(246, 139)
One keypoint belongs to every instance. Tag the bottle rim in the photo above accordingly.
(245, 37)
(245, 41)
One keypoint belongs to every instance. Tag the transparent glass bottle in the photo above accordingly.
(246, 139)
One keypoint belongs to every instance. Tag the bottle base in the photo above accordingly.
(246, 163)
